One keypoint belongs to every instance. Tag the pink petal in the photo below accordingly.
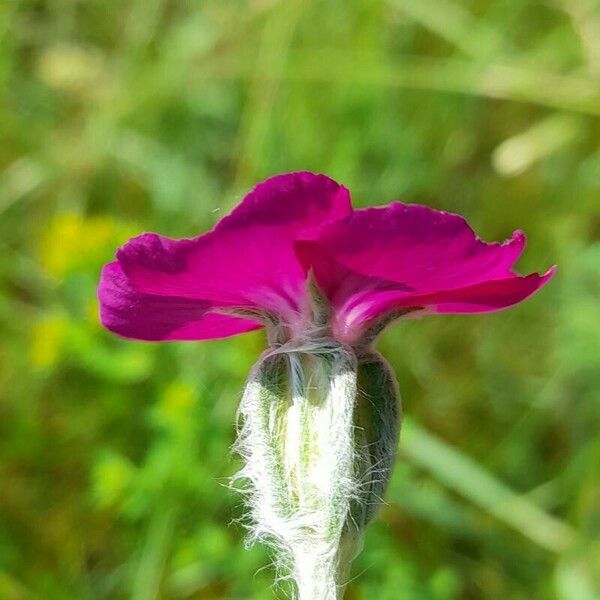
(418, 246)
(248, 259)
(132, 314)
(405, 256)
(488, 296)
(491, 295)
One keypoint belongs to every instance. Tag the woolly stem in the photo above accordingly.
(315, 463)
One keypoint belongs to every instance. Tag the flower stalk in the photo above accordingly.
(318, 434)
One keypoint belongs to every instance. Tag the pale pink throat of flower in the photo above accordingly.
(366, 263)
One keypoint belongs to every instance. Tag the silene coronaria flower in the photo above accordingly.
(319, 419)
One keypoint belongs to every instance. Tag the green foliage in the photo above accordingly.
(118, 117)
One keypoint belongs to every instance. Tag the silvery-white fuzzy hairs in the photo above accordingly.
(318, 431)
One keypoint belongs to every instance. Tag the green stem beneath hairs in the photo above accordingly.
(318, 437)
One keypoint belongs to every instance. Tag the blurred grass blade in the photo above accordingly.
(516, 154)
(573, 581)
(18, 180)
(453, 22)
(576, 93)
(270, 65)
(11, 589)
(149, 573)
(463, 475)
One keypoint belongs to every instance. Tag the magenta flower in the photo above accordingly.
(252, 268)
(320, 415)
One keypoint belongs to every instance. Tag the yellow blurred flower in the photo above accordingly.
(92, 311)
(75, 241)
(47, 341)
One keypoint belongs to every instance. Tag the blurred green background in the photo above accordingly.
(122, 116)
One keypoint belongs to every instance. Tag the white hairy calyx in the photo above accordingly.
(318, 431)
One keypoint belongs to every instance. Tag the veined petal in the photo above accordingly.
(489, 296)
(135, 315)
(417, 246)
(248, 259)
(409, 256)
